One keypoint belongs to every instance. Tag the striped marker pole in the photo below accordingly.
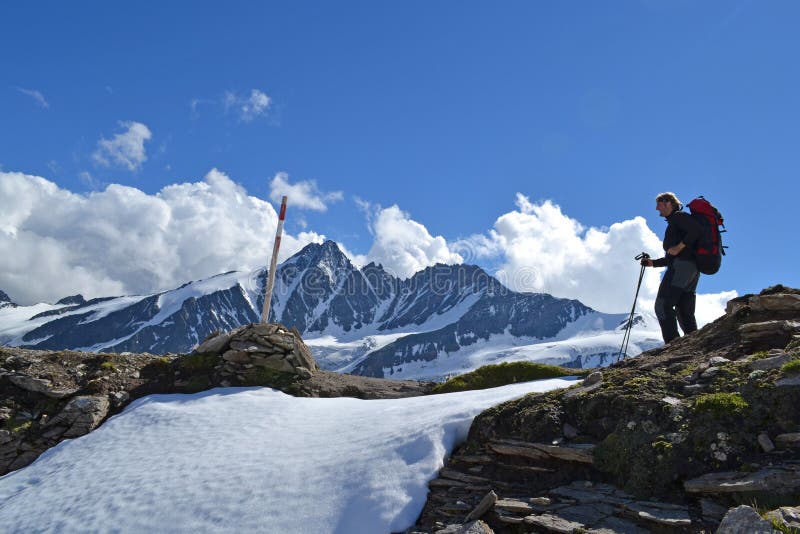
(273, 263)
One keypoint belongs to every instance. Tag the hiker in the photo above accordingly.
(676, 294)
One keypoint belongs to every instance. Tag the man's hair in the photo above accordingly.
(671, 198)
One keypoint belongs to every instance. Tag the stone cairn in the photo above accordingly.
(252, 349)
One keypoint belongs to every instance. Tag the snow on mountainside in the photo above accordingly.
(446, 319)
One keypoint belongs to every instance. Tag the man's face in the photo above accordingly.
(664, 208)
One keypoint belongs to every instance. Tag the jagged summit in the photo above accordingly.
(381, 324)
(73, 299)
(5, 300)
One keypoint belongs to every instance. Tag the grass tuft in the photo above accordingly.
(721, 403)
(491, 376)
(791, 368)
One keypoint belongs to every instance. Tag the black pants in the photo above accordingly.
(676, 297)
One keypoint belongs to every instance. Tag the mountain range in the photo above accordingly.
(444, 320)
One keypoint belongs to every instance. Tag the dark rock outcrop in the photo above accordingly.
(46, 397)
(666, 442)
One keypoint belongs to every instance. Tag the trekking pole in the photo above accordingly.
(623, 350)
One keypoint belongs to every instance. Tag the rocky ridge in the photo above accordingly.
(683, 438)
(46, 397)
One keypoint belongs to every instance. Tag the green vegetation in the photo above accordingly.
(662, 446)
(791, 368)
(18, 425)
(196, 384)
(782, 527)
(258, 376)
(198, 363)
(490, 376)
(641, 467)
(721, 404)
(109, 366)
(760, 355)
(637, 382)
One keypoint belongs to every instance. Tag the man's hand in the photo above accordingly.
(647, 262)
(674, 251)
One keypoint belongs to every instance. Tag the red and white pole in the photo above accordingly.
(273, 263)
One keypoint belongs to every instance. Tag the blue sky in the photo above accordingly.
(447, 110)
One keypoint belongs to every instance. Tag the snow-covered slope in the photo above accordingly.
(445, 319)
(249, 460)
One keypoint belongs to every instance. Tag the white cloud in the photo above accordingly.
(711, 306)
(37, 96)
(124, 241)
(543, 250)
(247, 107)
(302, 195)
(404, 246)
(126, 149)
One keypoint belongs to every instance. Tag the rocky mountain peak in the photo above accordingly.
(5, 300)
(72, 299)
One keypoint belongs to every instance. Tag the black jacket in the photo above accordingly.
(681, 227)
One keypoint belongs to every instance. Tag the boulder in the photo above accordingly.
(80, 416)
(593, 378)
(40, 385)
(214, 344)
(744, 519)
(765, 442)
(788, 441)
(788, 516)
(774, 362)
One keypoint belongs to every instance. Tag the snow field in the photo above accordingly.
(249, 459)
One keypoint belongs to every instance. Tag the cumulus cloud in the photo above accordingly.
(125, 149)
(37, 97)
(302, 195)
(124, 241)
(404, 246)
(543, 250)
(247, 107)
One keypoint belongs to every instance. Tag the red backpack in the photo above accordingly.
(708, 251)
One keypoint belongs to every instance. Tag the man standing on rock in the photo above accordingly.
(676, 294)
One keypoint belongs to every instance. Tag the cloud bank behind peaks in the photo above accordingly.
(404, 246)
(125, 149)
(544, 250)
(124, 241)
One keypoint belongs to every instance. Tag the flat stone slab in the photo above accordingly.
(784, 479)
(582, 453)
(776, 302)
(790, 440)
(765, 364)
(660, 513)
(757, 330)
(553, 523)
(514, 505)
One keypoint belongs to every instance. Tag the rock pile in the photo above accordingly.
(249, 350)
